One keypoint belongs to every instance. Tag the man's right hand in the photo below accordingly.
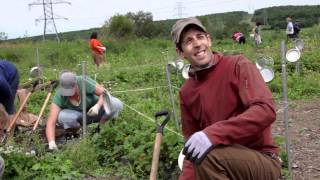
(53, 146)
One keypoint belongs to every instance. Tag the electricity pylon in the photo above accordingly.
(48, 16)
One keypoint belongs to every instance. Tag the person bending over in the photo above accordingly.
(66, 108)
(9, 82)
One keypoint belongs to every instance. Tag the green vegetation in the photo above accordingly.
(123, 148)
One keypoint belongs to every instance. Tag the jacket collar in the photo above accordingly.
(201, 74)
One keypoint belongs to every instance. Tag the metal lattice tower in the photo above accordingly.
(48, 16)
(179, 8)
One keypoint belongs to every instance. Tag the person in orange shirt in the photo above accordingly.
(97, 49)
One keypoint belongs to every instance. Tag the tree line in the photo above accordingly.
(221, 25)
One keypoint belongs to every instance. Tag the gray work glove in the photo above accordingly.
(197, 147)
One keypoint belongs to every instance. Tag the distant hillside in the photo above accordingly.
(221, 25)
(306, 16)
(70, 36)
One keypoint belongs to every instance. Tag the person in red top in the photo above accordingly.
(97, 49)
(227, 111)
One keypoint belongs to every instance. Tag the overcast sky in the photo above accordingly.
(17, 19)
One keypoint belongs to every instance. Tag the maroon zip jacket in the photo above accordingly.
(230, 103)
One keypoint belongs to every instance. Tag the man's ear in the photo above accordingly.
(209, 39)
(180, 53)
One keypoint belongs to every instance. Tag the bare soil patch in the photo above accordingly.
(304, 130)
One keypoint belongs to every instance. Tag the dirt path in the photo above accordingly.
(304, 128)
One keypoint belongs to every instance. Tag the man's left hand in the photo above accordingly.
(197, 147)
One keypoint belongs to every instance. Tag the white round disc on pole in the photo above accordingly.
(172, 67)
(261, 62)
(293, 55)
(179, 64)
(180, 159)
(35, 72)
(264, 61)
(267, 74)
(258, 66)
(299, 44)
(185, 71)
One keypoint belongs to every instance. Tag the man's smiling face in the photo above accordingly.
(195, 47)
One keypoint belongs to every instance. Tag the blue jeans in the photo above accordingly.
(73, 118)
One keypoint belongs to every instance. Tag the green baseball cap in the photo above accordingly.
(178, 27)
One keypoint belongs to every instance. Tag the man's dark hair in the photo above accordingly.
(187, 28)
(258, 23)
(94, 35)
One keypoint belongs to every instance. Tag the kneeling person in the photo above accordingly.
(66, 107)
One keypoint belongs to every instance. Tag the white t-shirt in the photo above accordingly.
(290, 29)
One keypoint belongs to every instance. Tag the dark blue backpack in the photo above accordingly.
(296, 28)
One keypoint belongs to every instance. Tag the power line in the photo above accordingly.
(48, 16)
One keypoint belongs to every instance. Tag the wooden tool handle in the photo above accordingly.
(42, 111)
(13, 121)
(155, 157)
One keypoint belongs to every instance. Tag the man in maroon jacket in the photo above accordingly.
(227, 111)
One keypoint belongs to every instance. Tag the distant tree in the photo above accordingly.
(3, 36)
(143, 23)
(119, 26)
(163, 28)
(222, 25)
